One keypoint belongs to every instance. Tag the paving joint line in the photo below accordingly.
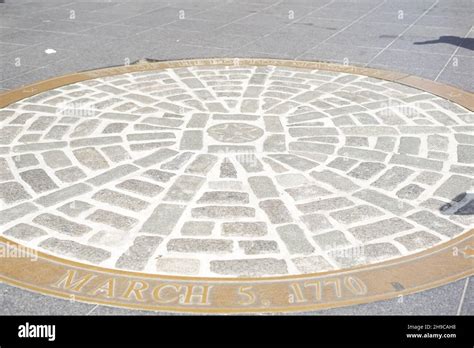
(403, 32)
(341, 30)
(463, 295)
(453, 54)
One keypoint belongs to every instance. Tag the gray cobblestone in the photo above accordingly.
(224, 197)
(409, 145)
(429, 178)
(163, 219)
(85, 128)
(311, 147)
(201, 165)
(435, 223)
(42, 123)
(275, 143)
(383, 201)
(250, 163)
(312, 264)
(276, 211)
(25, 160)
(150, 136)
(244, 229)
(11, 192)
(324, 204)
(61, 225)
(124, 223)
(184, 188)
(342, 163)
(115, 153)
(380, 229)
(294, 239)
(249, 268)
(177, 162)
(71, 174)
(137, 256)
(114, 128)
(366, 170)
(95, 141)
(392, 178)
(466, 154)
(331, 240)
(464, 139)
(222, 212)
(356, 214)
(312, 131)
(257, 247)
(417, 162)
(158, 175)
(371, 253)
(150, 145)
(423, 129)
(198, 121)
(16, 212)
(56, 159)
(273, 124)
(369, 131)
(295, 161)
(306, 192)
(418, 240)
(316, 222)
(38, 180)
(156, 157)
(140, 187)
(75, 250)
(361, 154)
(191, 140)
(227, 170)
(5, 172)
(263, 187)
(335, 180)
(411, 191)
(386, 144)
(8, 134)
(74, 208)
(57, 132)
(120, 200)
(191, 245)
(112, 174)
(178, 266)
(39, 146)
(453, 186)
(197, 228)
(438, 142)
(25, 232)
(91, 158)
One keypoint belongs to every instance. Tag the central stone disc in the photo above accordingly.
(235, 132)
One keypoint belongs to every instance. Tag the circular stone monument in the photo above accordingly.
(205, 186)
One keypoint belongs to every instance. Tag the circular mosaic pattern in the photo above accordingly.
(228, 171)
(235, 132)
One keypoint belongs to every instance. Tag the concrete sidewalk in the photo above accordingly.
(433, 39)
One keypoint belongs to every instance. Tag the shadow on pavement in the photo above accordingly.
(467, 43)
(462, 204)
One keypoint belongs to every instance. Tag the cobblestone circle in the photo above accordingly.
(235, 171)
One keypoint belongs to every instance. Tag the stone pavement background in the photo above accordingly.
(432, 39)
